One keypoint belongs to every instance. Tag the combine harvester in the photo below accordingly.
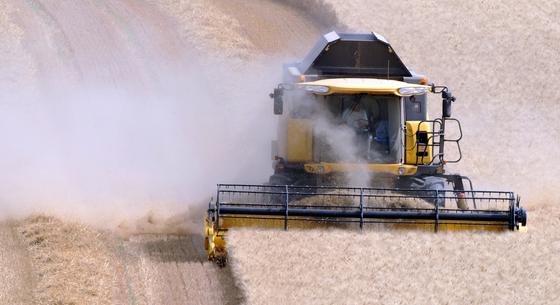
(351, 110)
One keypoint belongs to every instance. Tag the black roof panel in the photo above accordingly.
(353, 54)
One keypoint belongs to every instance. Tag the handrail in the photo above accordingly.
(437, 139)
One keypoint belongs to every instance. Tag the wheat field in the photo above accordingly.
(106, 173)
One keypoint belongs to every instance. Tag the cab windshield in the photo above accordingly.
(373, 122)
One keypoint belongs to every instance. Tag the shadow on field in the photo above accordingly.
(176, 248)
(189, 248)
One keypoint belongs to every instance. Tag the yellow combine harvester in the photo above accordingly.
(351, 113)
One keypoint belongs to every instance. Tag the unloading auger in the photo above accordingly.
(356, 86)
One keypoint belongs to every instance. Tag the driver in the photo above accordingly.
(356, 117)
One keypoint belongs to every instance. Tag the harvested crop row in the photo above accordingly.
(73, 263)
(70, 261)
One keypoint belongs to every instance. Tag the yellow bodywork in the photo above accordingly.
(326, 168)
(363, 85)
(300, 140)
(214, 241)
(412, 148)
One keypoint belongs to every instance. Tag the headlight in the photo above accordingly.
(412, 90)
(402, 171)
(317, 89)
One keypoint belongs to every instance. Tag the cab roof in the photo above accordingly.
(351, 55)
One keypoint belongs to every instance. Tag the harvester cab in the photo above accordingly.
(356, 146)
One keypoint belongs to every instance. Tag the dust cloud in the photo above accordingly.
(143, 116)
(124, 115)
(114, 118)
(104, 150)
(336, 140)
(112, 153)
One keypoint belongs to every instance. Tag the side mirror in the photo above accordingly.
(447, 99)
(278, 100)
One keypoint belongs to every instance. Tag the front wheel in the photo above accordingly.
(426, 183)
(279, 179)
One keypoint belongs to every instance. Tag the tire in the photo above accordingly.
(279, 179)
(427, 183)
